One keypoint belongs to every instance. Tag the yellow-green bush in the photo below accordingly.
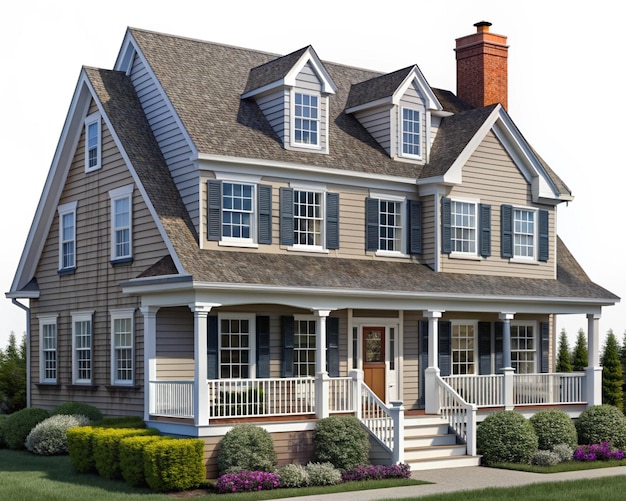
(106, 450)
(132, 458)
(175, 464)
(80, 447)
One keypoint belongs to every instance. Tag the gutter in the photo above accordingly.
(27, 310)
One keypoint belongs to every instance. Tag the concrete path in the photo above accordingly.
(461, 479)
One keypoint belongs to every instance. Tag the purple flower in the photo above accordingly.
(246, 481)
(602, 451)
(371, 472)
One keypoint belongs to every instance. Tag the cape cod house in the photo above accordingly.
(228, 235)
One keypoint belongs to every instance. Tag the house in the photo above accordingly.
(227, 235)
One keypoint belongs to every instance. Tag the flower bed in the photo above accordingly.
(602, 452)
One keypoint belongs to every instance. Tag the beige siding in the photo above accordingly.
(410, 99)
(410, 373)
(377, 121)
(174, 346)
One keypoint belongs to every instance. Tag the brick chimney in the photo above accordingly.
(481, 67)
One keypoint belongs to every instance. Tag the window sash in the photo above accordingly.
(82, 351)
(463, 348)
(123, 352)
(68, 240)
(308, 218)
(523, 349)
(304, 348)
(235, 339)
(390, 226)
(463, 227)
(524, 231)
(411, 132)
(122, 228)
(49, 352)
(306, 119)
(238, 204)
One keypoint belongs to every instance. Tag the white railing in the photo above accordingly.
(171, 398)
(561, 388)
(482, 390)
(461, 415)
(375, 416)
(341, 395)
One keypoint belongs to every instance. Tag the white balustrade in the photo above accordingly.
(172, 398)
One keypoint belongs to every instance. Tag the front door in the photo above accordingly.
(374, 360)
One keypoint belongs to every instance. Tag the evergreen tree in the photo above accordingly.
(612, 375)
(13, 376)
(563, 363)
(581, 355)
(622, 355)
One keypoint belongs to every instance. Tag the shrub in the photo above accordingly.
(81, 408)
(80, 448)
(246, 447)
(342, 441)
(174, 464)
(323, 474)
(593, 452)
(132, 458)
(564, 452)
(380, 471)
(545, 458)
(49, 438)
(18, 425)
(247, 481)
(293, 475)
(3, 418)
(602, 423)
(122, 422)
(553, 427)
(506, 437)
(106, 449)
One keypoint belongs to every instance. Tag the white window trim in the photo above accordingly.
(292, 115)
(402, 252)
(467, 255)
(251, 317)
(115, 195)
(307, 318)
(48, 320)
(474, 324)
(250, 242)
(536, 339)
(401, 152)
(321, 189)
(89, 120)
(128, 313)
(527, 259)
(81, 316)
(64, 210)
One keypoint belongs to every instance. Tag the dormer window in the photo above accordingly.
(306, 118)
(411, 136)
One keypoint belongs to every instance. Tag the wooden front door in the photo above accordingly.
(374, 360)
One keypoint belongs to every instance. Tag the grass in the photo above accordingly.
(562, 467)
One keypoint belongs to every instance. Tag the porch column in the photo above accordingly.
(322, 381)
(431, 396)
(200, 346)
(593, 371)
(149, 357)
(508, 371)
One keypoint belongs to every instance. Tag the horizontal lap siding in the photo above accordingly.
(410, 373)
(377, 123)
(175, 344)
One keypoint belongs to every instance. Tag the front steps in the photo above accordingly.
(429, 445)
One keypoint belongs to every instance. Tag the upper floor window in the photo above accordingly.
(306, 119)
(411, 136)
(525, 233)
(121, 223)
(67, 236)
(237, 211)
(48, 349)
(92, 142)
(122, 347)
(393, 225)
(463, 227)
(307, 218)
(82, 348)
(390, 226)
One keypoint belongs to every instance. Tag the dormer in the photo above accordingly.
(396, 109)
(293, 93)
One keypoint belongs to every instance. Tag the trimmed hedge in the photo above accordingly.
(506, 437)
(106, 449)
(132, 458)
(174, 464)
(80, 447)
(19, 424)
(342, 441)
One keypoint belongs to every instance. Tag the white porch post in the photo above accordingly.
(149, 358)
(431, 397)
(322, 381)
(593, 371)
(201, 389)
(397, 415)
(357, 379)
(508, 371)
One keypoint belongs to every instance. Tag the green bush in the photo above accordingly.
(175, 464)
(506, 437)
(554, 427)
(342, 441)
(602, 423)
(106, 449)
(3, 418)
(122, 422)
(545, 458)
(18, 425)
(323, 474)
(132, 458)
(80, 448)
(246, 447)
(81, 408)
(293, 475)
(49, 438)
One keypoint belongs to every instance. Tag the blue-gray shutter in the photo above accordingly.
(544, 235)
(332, 346)
(485, 230)
(286, 216)
(423, 362)
(212, 347)
(446, 226)
(484, 348)
(262, 346)
(264, 205)
(214, 215)
(286, 330)
(445, 348)
(544, 335)
(506, 231)
(332, 220)
(415, 227)
(499, 342)
(371, 224)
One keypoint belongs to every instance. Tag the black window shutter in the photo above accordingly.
(544, 235)
(286, 216)
(332, 346)
(446, 226)
(264, 204)
(214, 213)
(287, 328)
(506, 231)
(485, 230)
(371, 224)
(262, 346)
(544, 333)
(423, 361)
(484, 348)
(445, 348)
(415, 227)
(212, 347)
(499, 340)
(332, 220)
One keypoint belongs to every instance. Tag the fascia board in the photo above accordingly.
(328, 86)
(415, 75)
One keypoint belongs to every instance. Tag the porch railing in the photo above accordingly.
(482, 390)
(341, 396)
(375, 416)
(171, 398)
(461, 415)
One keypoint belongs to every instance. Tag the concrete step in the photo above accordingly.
(412, 441)
(440, 463)
(434, 451)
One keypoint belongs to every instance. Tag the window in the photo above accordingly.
(524, 233)
(236, 339)
(308, 220)
(523, 348)
(390, 226)
(237, 211)
(463, 227)
(463, 348)
(48, 349)
(411, 140)
(466, 228)
(81, 348)
(304, 348)
(306, 119)
(122, 347)
(393, 225)
(121, 223)
(92, 142)
(67, 236)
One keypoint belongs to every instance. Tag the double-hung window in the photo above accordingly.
(463, 347)
(464, 227)
(411, 133)
(93, 155)
(306, 119)
(390, 226)
(82, 359)
(308, 218)
(48, 349)
(236, 346)
(524, 233)
(304, 346)
(121, 223)
(122, 347)
(393, 225)
(67, 237)
(237, 211)
(523, 348)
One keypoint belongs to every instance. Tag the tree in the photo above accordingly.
(612, 375)
(581, 355)
(563, 362)
(13, 376)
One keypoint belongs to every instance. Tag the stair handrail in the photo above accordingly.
(460, 414)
